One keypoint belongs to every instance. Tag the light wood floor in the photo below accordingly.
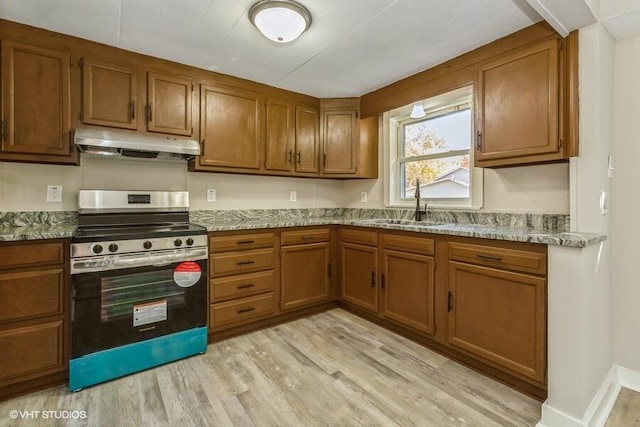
(331, 369)
(626, 411)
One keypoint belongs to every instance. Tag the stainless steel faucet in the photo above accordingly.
(419, 212)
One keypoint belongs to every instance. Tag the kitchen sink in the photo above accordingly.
(408, 222)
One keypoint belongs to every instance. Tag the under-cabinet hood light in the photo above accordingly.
(280, 20)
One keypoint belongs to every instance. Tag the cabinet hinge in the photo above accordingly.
(329, 270)
(191, 87)
(202, 149)
(81, 114)
(324, 160)
(479, 140)
(81, 63)
(435, 329)
(191, 130)
(383, 281)
(70, 61)
(435, 266)
(449, 302)
(560, 143)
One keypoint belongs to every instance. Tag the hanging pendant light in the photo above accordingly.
(280, 20)
(417, 111)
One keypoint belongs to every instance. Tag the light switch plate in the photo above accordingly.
(54, 193)
(604, 202)
(293, 196)
(610, 167)
(211, 195)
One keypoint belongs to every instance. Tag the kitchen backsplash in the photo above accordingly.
(533, 221)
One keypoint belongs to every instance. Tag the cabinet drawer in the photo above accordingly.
(31, 294)
(31, 350)
(511, 259)
(242, 285)
(304, 236)
(242, 262)
(415, 244)
(241, 310)
(238, 242)
(369, 238)
(29, 255)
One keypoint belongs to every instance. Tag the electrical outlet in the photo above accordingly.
(363, 196)
(610, 167)
(211, 195)
(54, 193)
(293, 196)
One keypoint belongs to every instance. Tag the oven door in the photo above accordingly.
(116, 307)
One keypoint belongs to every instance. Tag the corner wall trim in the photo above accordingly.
(598, 410)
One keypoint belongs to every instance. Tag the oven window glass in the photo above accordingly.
(119, 294)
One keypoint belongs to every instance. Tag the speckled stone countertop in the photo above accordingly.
(543, 229)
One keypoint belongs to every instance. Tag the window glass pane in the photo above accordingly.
(444, 178)
(442, 133)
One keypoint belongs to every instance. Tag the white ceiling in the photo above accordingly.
(351, 48)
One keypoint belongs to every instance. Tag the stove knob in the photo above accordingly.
(177, 242)
(97, 249)
(113, 247)
(147, 245)
(189, 241)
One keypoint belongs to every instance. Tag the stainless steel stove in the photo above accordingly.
(139, 275)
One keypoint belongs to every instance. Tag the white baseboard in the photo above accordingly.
(629, 379)
(601, 404)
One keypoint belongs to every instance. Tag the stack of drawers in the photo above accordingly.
(34, 314)
(243, 278)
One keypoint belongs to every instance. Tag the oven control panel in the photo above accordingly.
(89, 249)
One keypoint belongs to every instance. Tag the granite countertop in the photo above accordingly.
(542, 229)
(576, 240)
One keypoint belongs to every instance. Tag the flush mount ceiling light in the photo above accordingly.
(418, 110)
(280, 20)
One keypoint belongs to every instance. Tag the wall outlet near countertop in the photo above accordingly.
(293, 196)
(363, 197)
(54, 193)
(211, 195)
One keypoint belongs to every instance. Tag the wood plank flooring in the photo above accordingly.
(626, 410)
(331, 369)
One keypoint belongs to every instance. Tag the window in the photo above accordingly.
(436, 150)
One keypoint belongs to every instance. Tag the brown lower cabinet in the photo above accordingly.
(34, 315)
(485, 305)
(305, 268)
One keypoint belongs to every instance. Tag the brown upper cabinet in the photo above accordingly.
(169, 104)
(307, 139)
(520, 117)
(279, 137)
(340, 136)
(230, 128)
(109, 94)
(110, 98)
(36, 110)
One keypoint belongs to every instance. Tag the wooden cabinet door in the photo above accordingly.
(307, 139)
(407, 289)
(109, 94)
(518, 105)
(305, 275)
(36, 118)
(499, 316)
(359, 275)
(230, 120)
(279, 135)
(340, 149)
(169, 104)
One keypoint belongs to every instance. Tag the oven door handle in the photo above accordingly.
(117, 262)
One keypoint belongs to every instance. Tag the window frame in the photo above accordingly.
(393, 139)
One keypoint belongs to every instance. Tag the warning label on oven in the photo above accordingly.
(187, 274)
(151, 312)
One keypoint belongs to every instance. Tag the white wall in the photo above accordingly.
(579, 291)
(23, 186)
(625, 202)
